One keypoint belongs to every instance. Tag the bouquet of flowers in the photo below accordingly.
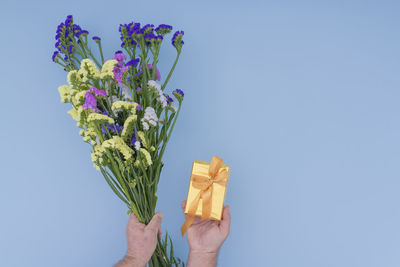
(123, 112)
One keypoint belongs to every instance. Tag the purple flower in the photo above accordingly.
(118, 73)
(54, 56)
(137, 74)
(179, 91)
(138, 90)
(149, 38)
(120, 57)
(169, 99)
(70, 48)
(178, 94)
(128, 33)
(111, 128)
(66, 35)
(76, 29)
(148, 28)
(96, 38)
(97, 91)
(163, 29)
(177, 39)
(90, 99)
(132, 62)
(119, 68)
(90, 102)
(139, 107)
(68, 20)
(133, 140)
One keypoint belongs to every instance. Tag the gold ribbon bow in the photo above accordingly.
(205, 184)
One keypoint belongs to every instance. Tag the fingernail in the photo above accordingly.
(160, 214)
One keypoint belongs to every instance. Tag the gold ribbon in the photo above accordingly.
(205, 184)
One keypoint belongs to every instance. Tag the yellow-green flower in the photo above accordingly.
(64, 91)
(107, 69)
(83, 75)
(88, 135)
(146, 156)
(98, 156)
(125, 105)
(73, 77)
(74, 114)
(100, 118)
(142, 138)
(80, 98)
(118, 143)
(128, 127)
(90, 67)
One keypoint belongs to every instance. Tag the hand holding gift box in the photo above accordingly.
(207, 190)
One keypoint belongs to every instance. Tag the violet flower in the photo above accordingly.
(90, 102)
(120, 67)
(132, 62)
(177, 40)
(97, 91)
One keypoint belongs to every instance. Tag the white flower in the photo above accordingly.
(161, 97)
(154, 85)
(145, 125)
(150, 117)
(153, 123)
(137, 145)
(163, 100)
(125, 91)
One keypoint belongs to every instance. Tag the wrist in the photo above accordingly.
(202, 258)
(203, 252)
(132, 261)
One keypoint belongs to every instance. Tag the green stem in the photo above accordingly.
(166, 141)
(101, 53)
(171, 71)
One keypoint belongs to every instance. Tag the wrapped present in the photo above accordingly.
(207, 190)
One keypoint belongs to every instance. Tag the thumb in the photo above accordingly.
(183, 205)
(155, 222)
(224, 225)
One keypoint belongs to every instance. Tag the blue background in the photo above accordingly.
(301, 98)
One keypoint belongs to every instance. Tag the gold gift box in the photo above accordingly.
(218, 196)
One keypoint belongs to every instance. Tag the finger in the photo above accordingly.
(133, 219)
(160, 232)
(155, 222)
(183, 205)
(225, 223)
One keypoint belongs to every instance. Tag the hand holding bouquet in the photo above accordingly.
(123, 112)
